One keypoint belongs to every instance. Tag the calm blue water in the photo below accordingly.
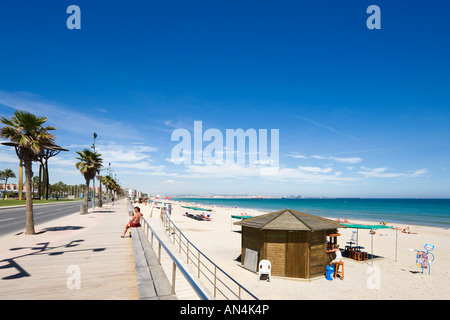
(430, 212)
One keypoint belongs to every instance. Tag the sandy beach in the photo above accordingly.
(384, 277)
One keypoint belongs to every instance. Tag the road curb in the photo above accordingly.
(37, 204)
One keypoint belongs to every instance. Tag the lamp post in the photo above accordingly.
(93, 198)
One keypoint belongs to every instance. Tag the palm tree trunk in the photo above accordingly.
(6, 183)
(86, 195)
(47, 180)
(29, 229)
(40, 182)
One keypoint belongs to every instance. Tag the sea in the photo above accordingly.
(426, 212)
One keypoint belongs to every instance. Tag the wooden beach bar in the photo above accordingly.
(294, 242)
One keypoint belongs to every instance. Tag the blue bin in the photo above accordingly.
(330, 271)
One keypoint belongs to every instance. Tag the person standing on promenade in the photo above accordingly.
(134, 222)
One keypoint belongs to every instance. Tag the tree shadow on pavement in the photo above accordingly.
(42, 248)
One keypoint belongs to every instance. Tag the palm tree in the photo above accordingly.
(29, 138)
(89, 165)
(109, 182)
(36, 185)
(6, 174)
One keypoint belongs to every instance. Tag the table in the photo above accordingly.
(358, 255)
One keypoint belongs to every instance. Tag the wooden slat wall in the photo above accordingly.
(317, 261)
(297, 259)
(275, 251)
(292, 254)
(252, 239)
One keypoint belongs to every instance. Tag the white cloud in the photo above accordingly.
(315, 169)
(350, 160)
(314, 175)
(8, 155)
(382, 173)
(116, 153)
(331, 129)
(65, 119)
(297, 156)
(419, 172)
(379, 173)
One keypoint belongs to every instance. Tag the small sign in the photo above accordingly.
(422, 259)
(251, 260)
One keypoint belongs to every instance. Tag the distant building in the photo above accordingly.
(9, 187)
(133, 193)
(97, 190)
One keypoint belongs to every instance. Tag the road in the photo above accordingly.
(12, 220)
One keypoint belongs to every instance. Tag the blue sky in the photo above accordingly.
(360, 113)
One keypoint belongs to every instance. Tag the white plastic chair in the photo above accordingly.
(265, 268)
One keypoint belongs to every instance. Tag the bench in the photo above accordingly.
(152, 282)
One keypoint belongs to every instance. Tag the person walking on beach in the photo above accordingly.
(134, 222)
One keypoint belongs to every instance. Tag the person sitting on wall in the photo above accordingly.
(134, 222)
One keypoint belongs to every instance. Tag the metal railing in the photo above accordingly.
(176, 263)
(224, 286)
(147, 228)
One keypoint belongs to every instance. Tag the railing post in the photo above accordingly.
(187, 252)
(173, 234)
(215, 277)
(159, 252)
(198, 265)
(174, 271)
(151, 241)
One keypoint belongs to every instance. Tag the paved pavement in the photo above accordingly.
(74, 257)
(12, 218)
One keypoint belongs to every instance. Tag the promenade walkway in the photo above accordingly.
(71, 258)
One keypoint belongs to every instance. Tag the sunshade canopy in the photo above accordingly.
(362, 226)
(241, 217)
(195, 208)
